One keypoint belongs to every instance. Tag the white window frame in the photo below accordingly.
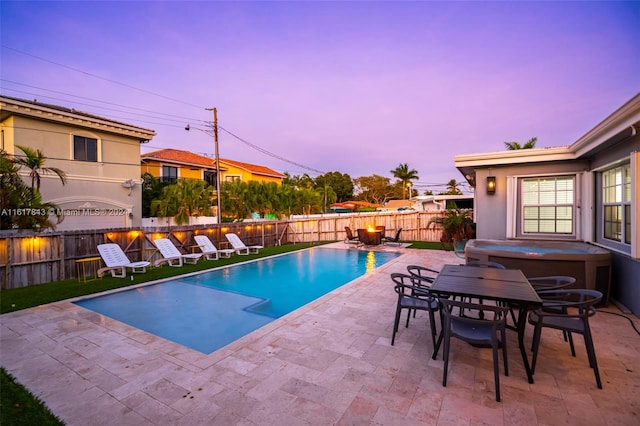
(232, 178)
(515, 208)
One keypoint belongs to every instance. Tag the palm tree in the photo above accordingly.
(34, 161)
(512, 146)
(453, 187)
(405, 176)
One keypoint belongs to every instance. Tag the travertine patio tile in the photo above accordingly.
(329, 362)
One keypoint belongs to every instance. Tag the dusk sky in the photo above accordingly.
(354, 87)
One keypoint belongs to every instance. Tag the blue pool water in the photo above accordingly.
(210, 310)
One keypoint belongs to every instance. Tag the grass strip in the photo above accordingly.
(18, 407)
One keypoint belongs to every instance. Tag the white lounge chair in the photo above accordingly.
(209, 250)
(240, 247)
(117, 261)
(172, 256)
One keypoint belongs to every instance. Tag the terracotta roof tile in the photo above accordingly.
(253, 168)
(189, 158)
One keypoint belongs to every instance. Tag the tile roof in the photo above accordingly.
(189, 158)
(253, 168)
(178, 156)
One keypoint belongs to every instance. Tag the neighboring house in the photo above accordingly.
(436, 203)
(100, 156)
(171, 164)
(587, 191)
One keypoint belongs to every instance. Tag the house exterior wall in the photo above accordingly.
(491, 210)
(94, 196)
(245, 175)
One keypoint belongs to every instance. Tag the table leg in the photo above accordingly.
(522, 322)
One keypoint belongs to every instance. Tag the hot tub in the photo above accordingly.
(588, 264)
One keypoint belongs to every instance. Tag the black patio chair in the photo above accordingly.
(412, 296)
(392, 240)
(352, 239)
(489, 331)
(568, 311)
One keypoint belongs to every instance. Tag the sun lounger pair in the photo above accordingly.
(172, 256)
(240, 247)
(209, 250)
(117, 261)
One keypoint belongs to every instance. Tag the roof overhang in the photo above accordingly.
(71, 117)
(617, 127)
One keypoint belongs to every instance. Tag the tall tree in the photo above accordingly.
(342, 185)
(374, 189)
(405, 176)
(34, 160)
(453, 188)
(512, 146)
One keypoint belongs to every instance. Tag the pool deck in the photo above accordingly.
(327, 363)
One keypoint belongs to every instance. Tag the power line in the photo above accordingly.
(182, 118)
(100, 77)
(264, 151)
(257, 148)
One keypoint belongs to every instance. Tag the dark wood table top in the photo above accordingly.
(508, 285)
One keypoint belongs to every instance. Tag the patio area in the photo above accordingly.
(327, 363)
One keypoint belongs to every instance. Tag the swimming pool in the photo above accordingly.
(210, 310)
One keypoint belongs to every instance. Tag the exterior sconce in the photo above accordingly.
(491, 185)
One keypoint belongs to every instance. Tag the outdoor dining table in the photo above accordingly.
(502, 285)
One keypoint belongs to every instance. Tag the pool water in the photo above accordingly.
(210, 310)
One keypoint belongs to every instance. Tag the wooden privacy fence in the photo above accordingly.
(27, 259)
(415, 226)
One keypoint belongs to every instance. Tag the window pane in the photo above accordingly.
(531, 213)
(530, 226)
(564, 213)
(547, 212)
(564, 226)
(92, 150)
(548, 226)
(79, 151)
(547, 198)
(530, 198)
(627, 224)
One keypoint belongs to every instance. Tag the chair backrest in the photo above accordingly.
(422, 272)
(581, 299)
(205, 244)
(167, 248)
(550, 282)
(410, 286)
(363, 236)
(235, 241)
(485, 264)
(350, 235)
(472, 311)
(397, 237)
(112, 255)
(382, 229)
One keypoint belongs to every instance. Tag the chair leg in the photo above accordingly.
(445, 356)
(591, 354)
(432, 321)
(535, 345)
(504, 352)
(409, 316)
(573, 349)
(496, 369)
(395, 324)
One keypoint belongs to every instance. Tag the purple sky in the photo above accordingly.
(354, 87)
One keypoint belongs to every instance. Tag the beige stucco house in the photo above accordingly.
(100, 156)
(587, 191)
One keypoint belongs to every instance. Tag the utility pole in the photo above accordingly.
(217, 155)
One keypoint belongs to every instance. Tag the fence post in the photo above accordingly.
(61, 273)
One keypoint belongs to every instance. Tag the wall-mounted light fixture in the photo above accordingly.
(491, 185)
